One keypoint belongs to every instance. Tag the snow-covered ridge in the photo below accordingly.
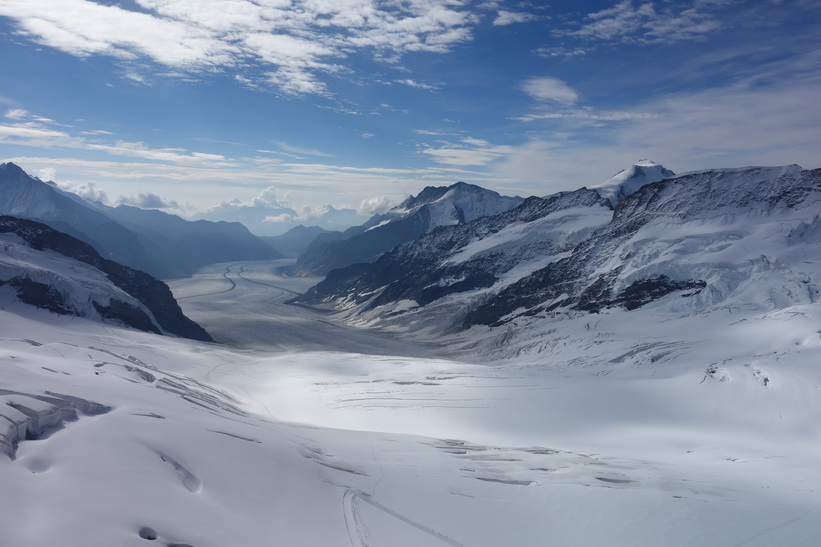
(627, 181)
(432, 207)
(715, 237)
(690, 243)
(76, 288)
(52, 270)
(464, 263)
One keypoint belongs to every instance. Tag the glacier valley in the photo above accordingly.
(586, 416)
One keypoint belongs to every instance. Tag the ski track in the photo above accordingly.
(358, 531)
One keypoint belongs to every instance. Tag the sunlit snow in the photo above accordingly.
(636, 429)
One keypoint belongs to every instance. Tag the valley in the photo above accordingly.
(244, 305)
(561, 373)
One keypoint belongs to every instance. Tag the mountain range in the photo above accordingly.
(163, 245)
(414, 217)
(57, 272)
(691, 242)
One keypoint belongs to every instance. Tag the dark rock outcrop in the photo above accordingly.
(152, 293)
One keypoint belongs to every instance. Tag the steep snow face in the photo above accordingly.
(458, 266)
(416, 216)
(627, 181)
(23, 195)
(714, 237)
(75, 288)
(456, 204)
(54, 287)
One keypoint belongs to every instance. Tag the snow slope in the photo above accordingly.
(644, 432)
(690, 419)
(434, 206)
(628, 181)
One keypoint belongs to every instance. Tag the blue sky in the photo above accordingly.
(268, 110)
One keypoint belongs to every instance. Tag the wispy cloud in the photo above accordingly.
(149, 200)
(419, 85)
(466, 152)
(587, 114)
(551, 90)
(31, 130)
(299, 150)
(504, 18)
(673, 22)
(293, 47)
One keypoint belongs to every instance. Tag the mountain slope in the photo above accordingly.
(417, 215)
(163, 245)
(24, 196)
(628, 181)
(468, 259)
(709, 236)
(699, 241)
(295, 241)
(55, 271)
(184, 246)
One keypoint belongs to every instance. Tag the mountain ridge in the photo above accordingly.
(59, 286)
(417, 215)
(163, 245)
(662, 240)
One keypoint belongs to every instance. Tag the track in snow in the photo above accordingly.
(357, 530)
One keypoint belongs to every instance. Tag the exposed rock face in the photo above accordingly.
(417, 215)
(154, 295)
(443, 262)
(689, 241)
(624, 264)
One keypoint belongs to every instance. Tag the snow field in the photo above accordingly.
(606, 429)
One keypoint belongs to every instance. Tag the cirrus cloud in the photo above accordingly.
(274, 42)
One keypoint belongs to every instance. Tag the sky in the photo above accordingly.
(279, 112)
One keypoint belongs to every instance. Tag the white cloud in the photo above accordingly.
(374, 206)
(16, 114)
(559, 51)
(284, 217)
(505, 17)
(36, 131)
(299, 150)
(467, 152)
(88, 190)
(292, 46)
(587, 114)
(551, 90)
(149, 200)
(47, 173)
(675, 23)
(419, 85)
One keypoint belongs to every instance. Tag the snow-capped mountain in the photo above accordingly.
(417, 215)
(702, 239)
(163, 245)
(48, 269)
(468, 259)
(627, 181)
(679, 418)
(692, 242)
